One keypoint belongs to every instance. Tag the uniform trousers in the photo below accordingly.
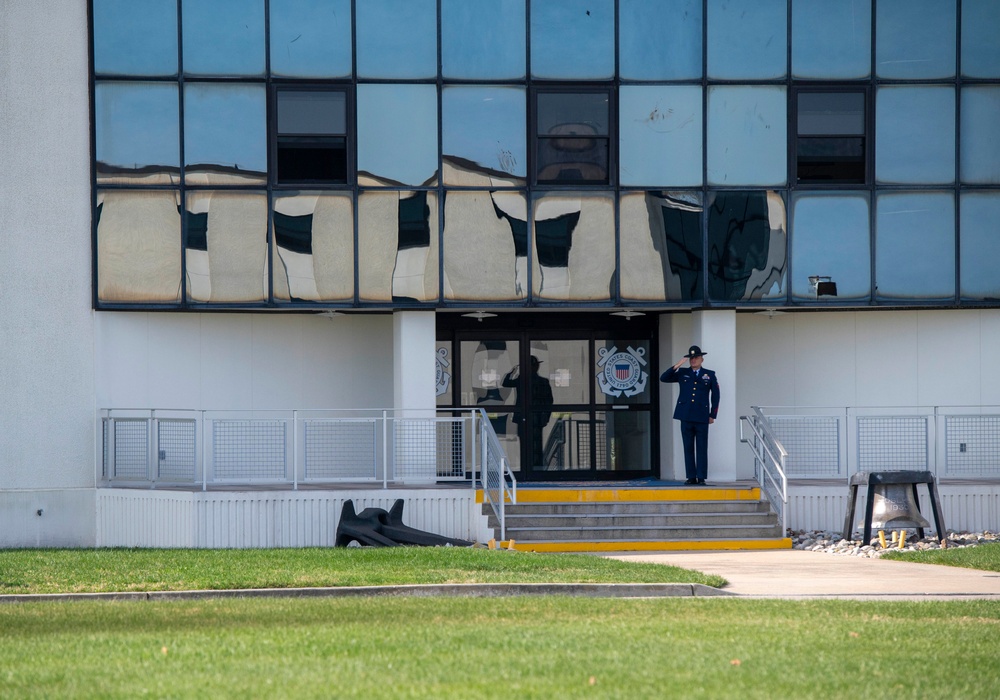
(695, 439)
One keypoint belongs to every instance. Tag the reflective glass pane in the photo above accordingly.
(915, 245)
(565, 366)
(312, 112)
(574, 241)
(624, 441)
(661, 246)
(573, 39)
(483, 134)
(980, 145)
(621, 371)
(566, 442)
(311, 38)
(980, 48)
(660, 135)
(915, 39)
(397, 134)
(659, 39)
(136, 126)
(980, 246)
(312, 136)
(397, 38)
(831, 145)
(830, 243)
(223, 37)
(225, 246)
(485, 365)
(445, 374)
(747, 39)
(313, 241)
(747, 130)
(572, 142)
(482, 40)
(135, 38)
(485, 246)
(746, 246)
(138, 246)
(398, 246)
(225, 134)
(831, 40)
(915, 135)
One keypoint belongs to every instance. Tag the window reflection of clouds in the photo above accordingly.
(485, 125)
(747, 142)
(915, 245)
(573, 39)
(397, 38)
(830, 236)
(135, 38)
(136, 125)
(659, 39)
(574, 247)
(980, 48)
(980, 244)
(747, 39)
(831, 40)
(915, 39)
(311, 38)
(746, 246)
(225, 125)
(223, 37)
(661, 246)
(482, 40)
(915, 135)
(660, 135)
(397, 133)
(484, 260)
(313, 242)
(980, 145)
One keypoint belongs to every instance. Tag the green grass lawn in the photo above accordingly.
(985, 557)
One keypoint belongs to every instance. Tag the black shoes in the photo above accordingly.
(691, 482)
(701, 482)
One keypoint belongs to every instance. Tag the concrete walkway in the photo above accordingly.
(798, 574)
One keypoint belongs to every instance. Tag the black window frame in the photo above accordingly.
(346, 139)
(795, 139)
(537, 140)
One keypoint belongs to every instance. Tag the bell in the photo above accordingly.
(894, 507)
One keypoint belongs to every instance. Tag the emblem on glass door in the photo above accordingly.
(442, 376)
(621, 373)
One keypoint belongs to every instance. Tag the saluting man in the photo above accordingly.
(697, 408)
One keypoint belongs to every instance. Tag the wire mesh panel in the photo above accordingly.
(131, 448)
(177, 456)
(892, 443)
(248, 449)
(414, 448)
(340, 449)
(972, 445)
(450, 448)
(812, 444)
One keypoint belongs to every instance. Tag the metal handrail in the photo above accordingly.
(770, 468)
(495, 471)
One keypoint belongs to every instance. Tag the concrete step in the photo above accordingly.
(633, 508)
(660, 533)
(542, 521)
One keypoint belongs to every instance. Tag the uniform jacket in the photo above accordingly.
(698, 399)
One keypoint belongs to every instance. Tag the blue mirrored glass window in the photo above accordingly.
(915, 135)
(980, 149)
(225, 133)
(310, 38)
(747, 129)
(483, 40)
(137, 132)
(224, 37)
(915, 245)
(573, 39)
(746, 246)
(915, 39)
(660, 135)
(135, 38)
(830, 244)
(660, 240)
(397, 38)
(980, 246)
(397, 134)
(747, 39)
(483, 132)
(980, 48)
(659, 39)
(831, 40)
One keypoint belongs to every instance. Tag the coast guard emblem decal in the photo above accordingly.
(621, 373)
(442, 377)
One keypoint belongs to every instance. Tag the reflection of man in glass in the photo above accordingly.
(541, 403)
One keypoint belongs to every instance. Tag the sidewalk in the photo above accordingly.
(798, 574)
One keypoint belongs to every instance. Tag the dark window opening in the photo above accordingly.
(573, 138)
(831, 144)
(311, 140)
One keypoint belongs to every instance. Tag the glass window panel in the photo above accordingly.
(312, 136)
(223, 37)
(825, 113)
(659, 39)
(830, 238)
(397, 38)
(915, 245)
(915, 135)
(310, 38)
(485, 246)
(398, 246)
(137, 133)
(138, 246)
(747, 143)
(397, 134)
(915, 39)
(980, 48)
(483, 40)
(485, 365)
(566, 442)
(831, 145)
(621, 372)
(313, 245)
(747, 39)
(225, 246)
(574, 247)
(661, 246)
(225, 134)
(980, 245)
(132, 38)
(831, 40)
(572, 142)
(564, 365)
(624, 440)
(660, 135)
(573, 39)
(746, 246)
(312, 112)
(483, 135)
(980, 145)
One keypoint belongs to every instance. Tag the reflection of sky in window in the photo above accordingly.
(482, 39)
(980, 48)
(397, 38)
(747, 38)
(573, 39)
(829, 236)
(915, 245)
(915, 135)
(135, 38)
(397, 132)
(915, 38)
(660, 133)
(311, 38)
(136, 124)
(746, 135)
(659, 39)
(980, 242)
(225, 125)
(223, 37)
(980, 145)
(832, 39)
(485, 125)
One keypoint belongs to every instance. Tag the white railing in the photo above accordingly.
(769, 463)
(495, 473)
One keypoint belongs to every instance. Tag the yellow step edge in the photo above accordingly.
(643, 546)
(704, 493)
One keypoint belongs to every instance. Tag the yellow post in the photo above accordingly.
(902, 538)
(881, 538)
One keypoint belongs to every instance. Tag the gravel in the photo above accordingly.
(834, 543)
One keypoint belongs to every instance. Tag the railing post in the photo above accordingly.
(295, 450)
(385, 449)
(204, 451)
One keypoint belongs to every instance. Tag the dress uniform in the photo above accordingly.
(697, 402)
